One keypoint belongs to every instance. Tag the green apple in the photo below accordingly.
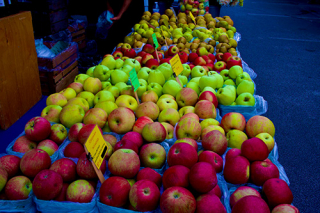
(246, 99)
(225, 74)
(107, 106)
(165, 103)
(233, 104)
(166, 70)
(109, 62)
(126, 68)
(119, 63)
(81, 78)
(235, 138)
(207, 81)
(71, 114)
(92, 84)
(235, 71)
(127, 101)
(243, 76)
(88, 96)
(219, 79)
(171, 87)
(133, 63)
(267, 139)
(185, 110)
(245, 86)
(90, 71)
(226, 95)
(194, 86)
(81, 102)
(186, 70)
(103, 96)
(105, 84)
(144, 73)
(169, 115)
(198, 71)
(118, 76)
(229, 82)
(102, 72)
(183, 79)
(209, 89)
(208, 122)
(121, 85)
(114, 90)
(196, 80)
(68, 93)
(156, 76)
(141, 89)
(155, 87)
(52, 113)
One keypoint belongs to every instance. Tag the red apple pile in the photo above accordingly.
(39, 134)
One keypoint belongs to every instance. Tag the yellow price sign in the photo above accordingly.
(192, 17)
(96, 146)
(176, 64)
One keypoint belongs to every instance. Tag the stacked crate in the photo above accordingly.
(78, 33)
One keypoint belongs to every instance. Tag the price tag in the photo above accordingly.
(176, 64)
(192, 17)
(134, 79)
(96, 146)
(155, 40)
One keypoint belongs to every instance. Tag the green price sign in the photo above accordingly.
(155, 40)
(134, 79)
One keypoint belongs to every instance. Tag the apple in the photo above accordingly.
(79, 101)
(242, 77)
(101, 72)
(211, 128)
(267, 139)
(261, 171)
(254, 149)
(210, 96)
(56, 99)
(198, 71)
(11, 164)
(126, 144)
(245, 99)
(176, 199)
(202, 177)
(81, 78)
(190, 115)
(237, 170)
(169, 128)
(152, 64)
(225, 75)
(186, 70)
(134, 137)
(285, 208)
(159, 56)
(47, 184)
(85, 169)
(234, 61)
(185, 110)
(80, 191)
(165, 103)
(140, 123)
(219, 66)
(226, 56)
(201, 51)
(233, 120)
(88, 96)
(149, 95)
(155, 87)
(95, 116)
(115, 91)
(85, 132)
(199, 61)
(215, 141)
(63, 192)
(209, 202)
(190, 141)
(58, 133)
(154, 132)
(3, 178)
(103, 95)
(18, 188)
(232, 153)
(236, 138)
(182, 154)
(205, 109)
(49, 146)
(37, 129)
(149, 174)
(251, 204)
(245, 86)
(144, 195)
(141, 53)
(73, 150)
(183, 57)
(148, 48)
(131, 53)
(114, 191)
(259, 124)
(111, 139)
(71, 114)
(92, 85)
(23, 144)
(66, 168)
(192, 57)
(173, 50)
(77, 86)
(176, 176)
(121, 120)
(226, 95)
(241, 192)
(148, 109)
(117, 54)
(69, 93)
(209, 122)
(188, 128)
(213, 158)
(216, 191)
(34, 161)
(124, 163)
(152, 155)
(133, 63)
(186, 97)
(277, 192)
(51, 113)
(171, 87)
(127, 101)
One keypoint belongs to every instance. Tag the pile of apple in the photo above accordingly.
(47, 140)
(195, 7)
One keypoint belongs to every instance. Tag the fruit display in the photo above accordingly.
(168, 147)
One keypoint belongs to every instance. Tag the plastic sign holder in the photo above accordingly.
(96, 150)
(134, 82)
(177, 67)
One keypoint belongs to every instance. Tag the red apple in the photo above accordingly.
(210, 96)
(74, 131)
(212, 57)
(160, 56)
(233, 153)
(58, 133)
(226, 56)
(261, 171)
(73, 150)
(173, 50)
(241, 192)
(47, 185)
(126, 144)
(18, 188)
(259, 124)
(134, 137)
(192, 56)
(121, 120)
(285, 208)
(3, 178)
(152, 64)
(131, 53)
(85, 132)
(233, 61)
(216, 191)
(11, 164)
(219, 66)
(199, 61)
(210, 203)
(150, 174)
(115, 191)
(146, 58)
(148, 48)
(152, 155)
(23, 144)
(124, 163)
(190, 141)
(215, 141)
(254, 149)
(176, 176)
(66, 168)
(210, 66)
(191, 66)
(251, 204)
(63, 192)
(190, 115)
(139, 59)
(111, 139)
(144, 195)
(233, 120)
(117, 54)
(237, 170)
(205, 68)
(277, 192)
(49, 146)
(34, 161)
(177, 199)
(85, 169)
(80, 191)
(182, 154)
(219, 56)
(183, 57)
(141, 54)
(154, 132)
(203, 177)
(140, 123)
(205, 109)
(213, 158)
(165, 60)
(37, 129)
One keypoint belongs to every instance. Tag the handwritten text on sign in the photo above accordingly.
(176, 64)
(134, 79)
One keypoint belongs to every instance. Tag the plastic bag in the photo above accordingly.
(42, 50)
(104, 24)
(247, 69)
